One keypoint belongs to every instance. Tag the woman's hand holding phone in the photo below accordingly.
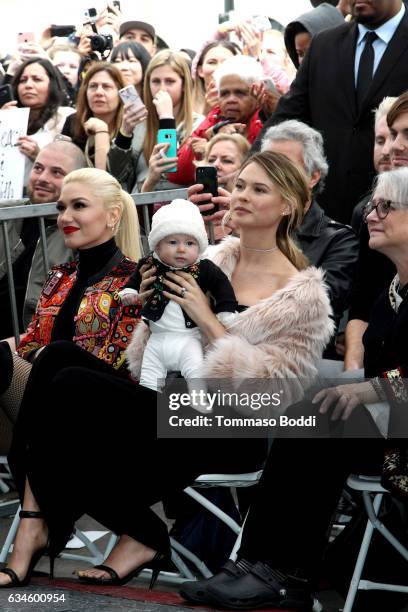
(132, 116)
(158, 164)
(215, 210)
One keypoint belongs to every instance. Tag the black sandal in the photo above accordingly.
(15, 580)
(156, 565)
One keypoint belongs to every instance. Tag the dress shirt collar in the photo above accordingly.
(386, 31)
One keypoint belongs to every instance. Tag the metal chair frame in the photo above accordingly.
(373, 494)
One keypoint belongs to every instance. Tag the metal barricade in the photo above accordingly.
(12, 210)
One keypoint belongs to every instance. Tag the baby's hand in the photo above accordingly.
(129, 297)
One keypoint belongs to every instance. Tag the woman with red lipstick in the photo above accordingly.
(80, 313)
(273, 285)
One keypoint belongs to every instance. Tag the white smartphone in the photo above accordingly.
(261, 23)
(129, 96)
(270, 85)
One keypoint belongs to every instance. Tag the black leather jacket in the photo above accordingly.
(332, 246)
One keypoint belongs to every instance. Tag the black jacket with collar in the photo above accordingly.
(209, 277)
(332, 246)
(323, 96)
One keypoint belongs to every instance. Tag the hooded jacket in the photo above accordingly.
(321, 18)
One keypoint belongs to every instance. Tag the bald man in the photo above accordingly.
(52, 164)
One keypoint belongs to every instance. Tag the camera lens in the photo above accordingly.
(101, 42)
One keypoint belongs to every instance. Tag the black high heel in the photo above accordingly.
(15, 580)
(156, 565)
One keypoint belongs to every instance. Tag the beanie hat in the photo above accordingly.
(178, 217)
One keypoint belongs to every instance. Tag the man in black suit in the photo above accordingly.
(336, 90)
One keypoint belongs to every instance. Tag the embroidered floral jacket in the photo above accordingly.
(103, 326)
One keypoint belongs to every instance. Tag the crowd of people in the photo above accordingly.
(305, 129)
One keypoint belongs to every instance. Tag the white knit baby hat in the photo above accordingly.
(178, 217)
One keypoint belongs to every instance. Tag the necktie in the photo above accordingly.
(365, 68)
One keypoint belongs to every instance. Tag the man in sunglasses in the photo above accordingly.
(367, 287)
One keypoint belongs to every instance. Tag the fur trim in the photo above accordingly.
(135, 350)
(282, 336)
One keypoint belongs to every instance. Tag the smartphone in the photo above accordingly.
(6, 94)
(25, 37)
(62, 30)
(90, 15)
(165, 137)
(129, 96)
(261, 23)
(207, 176)
(270, 86)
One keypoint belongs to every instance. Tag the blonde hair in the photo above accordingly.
(238, 140)
(105, 186)
(179, 64)
(383, 108)
(292, 185)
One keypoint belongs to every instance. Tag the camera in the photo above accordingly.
(101, 42)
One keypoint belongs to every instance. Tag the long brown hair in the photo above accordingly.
(179, 64)
(83, 112)
(292, 185)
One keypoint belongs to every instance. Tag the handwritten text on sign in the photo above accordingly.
(13, 124)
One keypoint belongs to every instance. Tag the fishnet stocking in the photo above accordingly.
(10, 400)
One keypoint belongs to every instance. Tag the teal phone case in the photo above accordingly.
(165, 137)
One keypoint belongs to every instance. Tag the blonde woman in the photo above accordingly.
(139, 162)
(281, 331)
(79, 309)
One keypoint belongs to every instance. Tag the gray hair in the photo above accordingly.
(246, 68)
(383, 108)
(393, 185)
(311, 141)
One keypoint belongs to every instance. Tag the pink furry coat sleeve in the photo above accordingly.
(280, 337)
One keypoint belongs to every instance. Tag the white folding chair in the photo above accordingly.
(178, 551)
(207, 481)
(372, 493)
(95, 556)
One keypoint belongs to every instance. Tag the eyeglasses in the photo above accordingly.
(381, 206)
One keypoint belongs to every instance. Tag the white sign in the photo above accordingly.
(13, 124)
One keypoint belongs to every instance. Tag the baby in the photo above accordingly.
(177, 241)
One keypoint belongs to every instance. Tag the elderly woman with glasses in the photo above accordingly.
(386, 215)
(279, 560)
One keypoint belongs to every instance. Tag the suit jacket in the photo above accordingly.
(323, 96)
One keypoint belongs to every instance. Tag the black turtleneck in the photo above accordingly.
(91, 266)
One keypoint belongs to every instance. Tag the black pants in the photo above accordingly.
(294, 503)
(86, 440)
